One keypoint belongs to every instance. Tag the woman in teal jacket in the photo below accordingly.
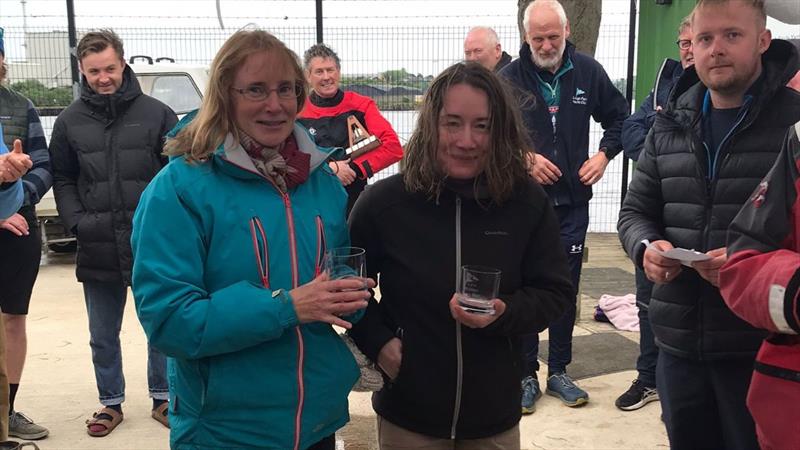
(228, 244)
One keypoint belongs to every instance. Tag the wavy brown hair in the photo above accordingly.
(506, 165)
(215, 118)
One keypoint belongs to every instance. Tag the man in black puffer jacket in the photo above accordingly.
(719, 135)
(105, 149)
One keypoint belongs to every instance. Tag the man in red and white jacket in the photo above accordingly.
(325, 115)
(760, 282)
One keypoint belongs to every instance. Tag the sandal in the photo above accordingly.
(99, 418)
(14, 445)
(160, 414)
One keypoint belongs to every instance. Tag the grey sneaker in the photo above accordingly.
(21, 426)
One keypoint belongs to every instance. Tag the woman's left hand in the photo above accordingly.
(472, 320)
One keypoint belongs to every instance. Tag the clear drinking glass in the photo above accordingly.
(346, 262)
(479, 285)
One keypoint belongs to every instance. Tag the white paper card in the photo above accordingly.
(685, 256)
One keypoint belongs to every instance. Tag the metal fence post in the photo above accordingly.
(319, 21)
(629, 91)
(73, 51)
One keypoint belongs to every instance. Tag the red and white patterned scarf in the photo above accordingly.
(286, 166)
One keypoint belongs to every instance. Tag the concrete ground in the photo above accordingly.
(58, 388)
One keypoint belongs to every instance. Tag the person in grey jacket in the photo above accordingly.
(707, 151)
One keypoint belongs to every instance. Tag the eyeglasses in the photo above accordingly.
(684, 44)
(257, 92)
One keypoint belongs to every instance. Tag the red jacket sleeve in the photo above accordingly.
(390, 150)
(760, 282)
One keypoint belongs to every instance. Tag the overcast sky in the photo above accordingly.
(424, 36)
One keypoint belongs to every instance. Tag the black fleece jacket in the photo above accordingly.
(456, 381)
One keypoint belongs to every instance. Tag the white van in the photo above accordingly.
(180, 86)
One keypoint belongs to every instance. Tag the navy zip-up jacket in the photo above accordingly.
(635, 127)
(586, 91)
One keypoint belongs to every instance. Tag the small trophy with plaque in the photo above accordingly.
(359, 139)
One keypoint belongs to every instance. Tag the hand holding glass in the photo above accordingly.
(346, 262)
(478, 287)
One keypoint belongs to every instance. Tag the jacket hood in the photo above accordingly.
(779, 64)
(128, 91)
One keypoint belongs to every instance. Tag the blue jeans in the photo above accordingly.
(573, 223)
(648, 351)
(105, 304)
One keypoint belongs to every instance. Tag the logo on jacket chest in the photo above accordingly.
(312, 131)
(495, 233)
(580, 97)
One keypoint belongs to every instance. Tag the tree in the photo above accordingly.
(394, 76)
(42, 96)
(584, 22)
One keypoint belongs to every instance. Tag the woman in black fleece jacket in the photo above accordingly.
(463, 197)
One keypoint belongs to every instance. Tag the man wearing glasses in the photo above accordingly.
(326, 114)
(634, 130)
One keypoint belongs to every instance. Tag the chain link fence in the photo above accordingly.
(390, 58)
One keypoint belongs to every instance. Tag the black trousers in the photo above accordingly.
(648, 351)
(703, 403)
(328, 443)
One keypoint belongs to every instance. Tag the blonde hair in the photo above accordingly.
(215, 118)
(757, 6)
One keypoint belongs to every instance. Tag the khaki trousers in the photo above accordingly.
(393, 437)
(3, 384)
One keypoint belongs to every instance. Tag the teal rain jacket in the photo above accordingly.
(214, 242)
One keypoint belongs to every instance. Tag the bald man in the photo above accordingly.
(482, 46)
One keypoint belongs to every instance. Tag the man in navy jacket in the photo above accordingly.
(561, 90)
(634, 130)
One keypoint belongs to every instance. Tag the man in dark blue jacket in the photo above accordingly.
(634, 130)
(564, 89)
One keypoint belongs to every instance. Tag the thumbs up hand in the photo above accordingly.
(15, 164)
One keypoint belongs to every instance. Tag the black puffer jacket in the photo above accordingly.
(672, 198)
(104, 150)
(455, 381)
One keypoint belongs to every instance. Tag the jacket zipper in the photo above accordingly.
(459, 356)
(287, 204)
(711, 184)
(658, 81)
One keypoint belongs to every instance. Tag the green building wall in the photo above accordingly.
(658, 31)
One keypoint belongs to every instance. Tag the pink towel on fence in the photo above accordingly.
(621, 311)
